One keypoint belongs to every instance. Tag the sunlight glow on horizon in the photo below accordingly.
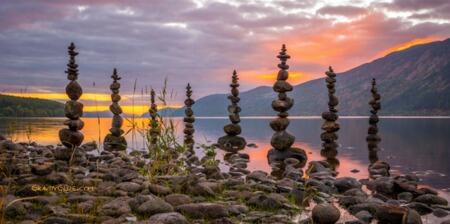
(100, 97)
(407, 45)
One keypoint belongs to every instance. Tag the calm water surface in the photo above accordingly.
(410, 145)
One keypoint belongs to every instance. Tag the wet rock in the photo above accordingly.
(391, 214)
(279, 156)
(438, 212)
(431, 199)
(364, 216)
(203, 210)
(168, 218)
(270, 201)
(371, 207)
(200, 190)
(258, 175)
(346, 183)
(282, 140)
(421, 208)
(129, 187)
(232, 143)
(238, 209)
(16, 209)
(347, 201)
(116, 207)
(405, 196)
(70, 138)
(154, 205)
(384, 185)
(178, 199)
(413, 217)
(325, 214)
(57, 220)
(42, 169)
(158, 189)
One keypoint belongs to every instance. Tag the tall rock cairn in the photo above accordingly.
(71, 137)
(189, 120)
(282, 141)
(154, 126)
(115, 141)
(231, 142)
(372, 138)
(330, 126)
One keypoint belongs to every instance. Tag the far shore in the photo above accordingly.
(258, 117)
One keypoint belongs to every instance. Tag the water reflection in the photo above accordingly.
(409, 145)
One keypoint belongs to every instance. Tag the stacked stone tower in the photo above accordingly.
(330, 126)
(377, 168)
(189, 120)
(154, 126)
(373, 139)
(71, 137)
(115, 141)
(282, 141)
(232, 142)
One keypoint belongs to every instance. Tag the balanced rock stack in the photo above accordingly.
(72, 137)
(154, 126)
(189, 120)
(373, 139)
(330, 127)
(232, 142)
(281, 140)
(376, 167)
(115, 141)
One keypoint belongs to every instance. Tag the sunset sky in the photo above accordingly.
(200, 41)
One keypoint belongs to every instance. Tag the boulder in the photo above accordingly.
(344, 184)
(178, 199)
(431, 199)
(203, 210)
(168, 218)
(325, 214)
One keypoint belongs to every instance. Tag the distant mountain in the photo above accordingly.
(414, 81)
(12, 106)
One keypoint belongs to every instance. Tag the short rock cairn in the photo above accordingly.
(232, 142)
(330, 126)
(72, 137)
(154, 126)
(115, 141)
(189, 130)
(281, 140)
(376, 167)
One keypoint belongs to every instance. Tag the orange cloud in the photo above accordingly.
(407, 44)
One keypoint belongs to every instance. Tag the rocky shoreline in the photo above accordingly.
(121, 191)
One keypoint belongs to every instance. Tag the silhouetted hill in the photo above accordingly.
(414, 81)
(12, 106)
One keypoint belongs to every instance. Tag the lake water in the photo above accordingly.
(410, 145)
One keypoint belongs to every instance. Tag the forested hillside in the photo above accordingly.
(12, 106)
